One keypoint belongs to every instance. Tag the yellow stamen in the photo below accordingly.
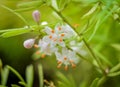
(62, 34)
(59, 28)
(60, 39)
(36, 46)
(59, 65)
(43, 56)
(65, 58)
(72, 63)
(52, 31)
(66, 67)
(76, 25)
(38, 52)
(55, 39)
(50, 36)
(59, 62)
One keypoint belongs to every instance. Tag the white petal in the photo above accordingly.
(47, 30)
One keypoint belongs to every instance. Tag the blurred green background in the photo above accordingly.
(106, 40)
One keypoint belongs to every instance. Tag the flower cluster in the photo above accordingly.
(54, 43)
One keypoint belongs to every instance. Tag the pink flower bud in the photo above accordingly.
(29, 43)
(36, 16)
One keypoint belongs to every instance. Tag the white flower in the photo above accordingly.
(46, 48)
(67, 57)
(29, 43)
(53, 37)
(77, 47)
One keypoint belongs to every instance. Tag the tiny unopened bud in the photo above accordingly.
(36, 16)
(29, 43)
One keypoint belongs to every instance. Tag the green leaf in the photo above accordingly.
(92, 10)
(22, 18)
(40, 73)
(114, 74)
(16, 73)
(65, 81)
(62, 4)
(23, 83)
(94, 83)
(95, 29)
(102, 57)
(2, 86)
(15, 32)
(4, 75)
(116, 46)
(101, 81)
(14, 85)
(1, 65)
(29, 75)
(31, 3)
(25, 9)
(115, 68)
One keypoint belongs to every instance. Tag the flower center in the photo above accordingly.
(52, 31)
(43, 56)
(60, 39)
(59, 28)
(50, 36)
(62, 34)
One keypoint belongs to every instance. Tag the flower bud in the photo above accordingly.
(36, 16)
(29, 43)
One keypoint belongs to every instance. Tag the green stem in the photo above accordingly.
(92, 53)
(94, 56)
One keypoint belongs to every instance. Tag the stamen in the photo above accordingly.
(76, 25)
(72, 63)
(52, 31)
(59, 65)
(38, 52)
(66, 67)
(43, 56)
(55, 39)
(50, 36)
(60, 39)
(59, 28)
(59, 62)
(36, 46)
(65, 58)
(62, 34)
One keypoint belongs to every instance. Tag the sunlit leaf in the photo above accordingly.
(92, 10)
(29, 4)
(29, 75)
(23, 83)
(17, 14)
(15, 32)
(25, 9)
(114, 74)
(4, 75)
(115, 68)
(116, 46)
(40, 73)
(62, 4)
(94, 83)
(14, 85)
